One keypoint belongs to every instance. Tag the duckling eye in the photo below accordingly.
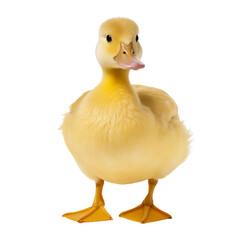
(137, 38)
(109, 38)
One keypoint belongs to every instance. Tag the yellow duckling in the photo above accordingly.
(123, 133)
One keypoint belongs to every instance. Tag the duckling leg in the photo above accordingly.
(146, 211)
(94, 213)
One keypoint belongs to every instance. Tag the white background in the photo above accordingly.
(47, 60)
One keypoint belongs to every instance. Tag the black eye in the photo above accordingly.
(109, 38)
(137, 38)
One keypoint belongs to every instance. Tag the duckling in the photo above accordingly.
(123, 133)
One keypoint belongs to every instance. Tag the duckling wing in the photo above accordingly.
(160, 103)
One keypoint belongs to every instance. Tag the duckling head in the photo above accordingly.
(118, 45)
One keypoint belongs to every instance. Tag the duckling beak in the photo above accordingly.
(127, 59)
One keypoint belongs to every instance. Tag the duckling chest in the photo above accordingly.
(114, 122)
(111, 120)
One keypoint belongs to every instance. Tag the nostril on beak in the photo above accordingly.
(124, 52)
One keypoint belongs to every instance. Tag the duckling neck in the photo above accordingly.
(115, 85)
(116, 77)
(114, 80)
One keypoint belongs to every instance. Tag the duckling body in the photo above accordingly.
(123, 133)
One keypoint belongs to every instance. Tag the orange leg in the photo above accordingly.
(94, 213)
(146, 211)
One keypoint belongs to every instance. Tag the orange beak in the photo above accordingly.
(127, 59)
